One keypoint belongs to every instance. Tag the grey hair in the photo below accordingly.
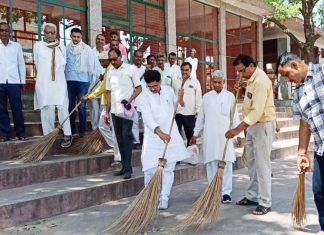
(49, 25)
(193, 50)
(160, 55)
(219, 74)
(285, 58)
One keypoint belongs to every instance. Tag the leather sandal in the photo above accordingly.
(261, 210)
(246, 202)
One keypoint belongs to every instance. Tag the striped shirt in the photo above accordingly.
(308, 104)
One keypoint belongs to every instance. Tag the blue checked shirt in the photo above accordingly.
(308, 104)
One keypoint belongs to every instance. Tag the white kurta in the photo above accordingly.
(214, 119)
(157, 111)
(48, 92)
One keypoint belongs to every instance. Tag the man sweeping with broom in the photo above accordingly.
(308, 107)
(259, 122)
(157, 105)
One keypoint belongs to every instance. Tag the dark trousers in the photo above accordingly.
(13, 93)
(124, 136)
(318, 187)
(188, 124)
(75, 91)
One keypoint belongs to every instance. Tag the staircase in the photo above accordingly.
(64, 182)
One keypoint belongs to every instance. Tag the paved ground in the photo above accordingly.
(233, 220)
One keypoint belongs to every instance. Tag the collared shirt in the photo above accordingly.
(121, 82)
(192, 95)
(12, 64)
(194, 64)
(175, 70)
(122, 49)
(166, 76)
(308, 104)
(258, 104)
(70, 72)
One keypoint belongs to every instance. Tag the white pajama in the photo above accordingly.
(95, 113)
(109, 134)
(212, 167)
(167, 179)
(48, 118)
(135, 128)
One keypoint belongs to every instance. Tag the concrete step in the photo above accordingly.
(43, 200)
(285, 122)
(14, 174)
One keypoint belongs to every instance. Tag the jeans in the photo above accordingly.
(75, 91)
(124, 136)
(318, 189)
(13, 92)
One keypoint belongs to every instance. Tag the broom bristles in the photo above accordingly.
(142, 210)
(298, 206)
(243, 159)
(206, 209)
(91, 144)
(36, 151)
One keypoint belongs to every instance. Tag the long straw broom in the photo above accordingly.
(37, 150)
(206, 208)
(298, 212)
(144, 208)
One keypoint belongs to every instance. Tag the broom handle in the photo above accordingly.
(232, 118)
(174, 114)
(79, 103)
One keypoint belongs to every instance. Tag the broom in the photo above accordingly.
(37, 150)
(144, 208)
(298, 212)
(95, 145)
(206, 208)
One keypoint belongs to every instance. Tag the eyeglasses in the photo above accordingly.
(50, 32)
(113, 59)
(4, 30)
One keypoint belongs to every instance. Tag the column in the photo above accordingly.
(222, 38)
(94, 20)
(260, 43)
(170, 24)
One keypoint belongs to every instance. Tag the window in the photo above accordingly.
(241, 37)
(141, 24)
(26, 19)
(197, 28)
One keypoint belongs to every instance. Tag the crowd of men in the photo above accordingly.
(121, 92)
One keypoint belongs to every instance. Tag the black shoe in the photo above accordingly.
(119, 173)
(127, 176)
(226, 199)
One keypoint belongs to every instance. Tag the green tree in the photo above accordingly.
(310, 11)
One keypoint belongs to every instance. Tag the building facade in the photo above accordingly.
(218, 30)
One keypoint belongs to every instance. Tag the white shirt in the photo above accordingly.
(191, 97)
(12, 64)
(194, 64)
(157, 111)
(214, 118)
(175, 70)
(139, 72)
(121, 82)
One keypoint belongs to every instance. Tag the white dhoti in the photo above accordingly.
(109, 134)
(95, 113)
(48, 119)
(167, 179)
(135, 128)
(212, 168)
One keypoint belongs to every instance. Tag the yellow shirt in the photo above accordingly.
(101, 90)
(258, 104)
